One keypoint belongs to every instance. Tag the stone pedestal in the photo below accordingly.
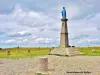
(70, 51)
(64, 48)
(7, 52)
(64, 42)
(42, 66)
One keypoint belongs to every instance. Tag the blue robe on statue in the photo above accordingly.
(64, 13)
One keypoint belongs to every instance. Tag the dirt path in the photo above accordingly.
(58, 65)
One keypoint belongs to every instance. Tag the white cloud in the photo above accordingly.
(10, 41)
(89, 41)
(23, 40)
(43, 40)
(72, 11)
(20, 34)
(7, 41)
(31, 18)
(57, 40)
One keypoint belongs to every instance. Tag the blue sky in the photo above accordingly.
(34, 23)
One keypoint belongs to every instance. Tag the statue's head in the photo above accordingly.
(63, 7)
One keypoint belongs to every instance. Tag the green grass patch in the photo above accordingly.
(90, 51)
(22, 52)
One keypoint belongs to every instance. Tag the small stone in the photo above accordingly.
(7, 52)
(28, 51)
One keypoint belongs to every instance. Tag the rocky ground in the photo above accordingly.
(58, 65)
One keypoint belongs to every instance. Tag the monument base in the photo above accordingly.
(69, 51)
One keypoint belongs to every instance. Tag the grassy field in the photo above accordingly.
(90, 51)
(22, 52)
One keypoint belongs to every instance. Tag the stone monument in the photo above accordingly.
(42, 66)
(64, 48)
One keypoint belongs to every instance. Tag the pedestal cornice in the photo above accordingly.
(64, 19)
